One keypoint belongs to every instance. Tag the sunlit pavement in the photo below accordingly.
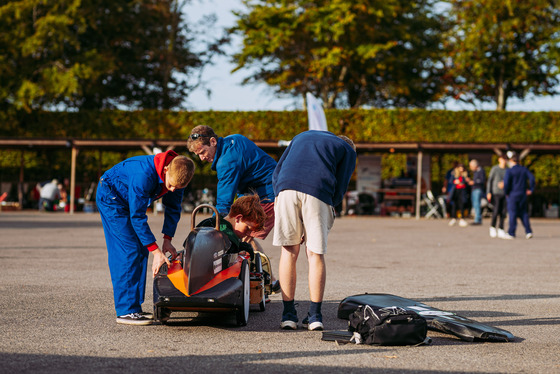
(57, 308)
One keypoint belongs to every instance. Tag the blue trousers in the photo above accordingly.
(517, 208)
(476, 196)
(128, 258)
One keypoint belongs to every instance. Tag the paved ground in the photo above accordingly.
(57, 311)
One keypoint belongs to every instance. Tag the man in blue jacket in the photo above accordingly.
(519, 183)
(242, 168)
(310, 179)
(124, 194)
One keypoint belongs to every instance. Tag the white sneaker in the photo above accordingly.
(501, 233)
(493, 232)
(452, 222)
(288, 325)
(463, 223)
(508, 237)
(316, 325)
(529, 235)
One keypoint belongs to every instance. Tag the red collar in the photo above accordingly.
(162, 160)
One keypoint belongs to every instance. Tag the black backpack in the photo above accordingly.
(387, 326)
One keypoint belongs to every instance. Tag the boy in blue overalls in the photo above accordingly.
(123, 196)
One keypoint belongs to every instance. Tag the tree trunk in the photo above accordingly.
(332, 98)
(500, 91)
(500, 100)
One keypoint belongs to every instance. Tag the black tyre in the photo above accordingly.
(258, 264)
(242, 312)
(259, 269)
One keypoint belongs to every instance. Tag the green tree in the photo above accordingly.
(349, 53)
(499, 49)
(95, 54)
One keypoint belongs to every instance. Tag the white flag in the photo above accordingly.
(315, 114)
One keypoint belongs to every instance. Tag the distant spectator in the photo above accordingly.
(77, 194)
(448, 187)
(448, 179)
(519, 183)
(478, 184)
(48, 195)
(459, 195)
(63, 202)
(497, 196)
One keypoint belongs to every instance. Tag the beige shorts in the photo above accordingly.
(298, 214)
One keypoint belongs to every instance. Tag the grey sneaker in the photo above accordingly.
(134, 319)
(289, 321)
(313, 323)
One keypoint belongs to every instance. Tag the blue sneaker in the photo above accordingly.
(313, 323)
(289, 320)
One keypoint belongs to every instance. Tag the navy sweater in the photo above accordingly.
(515, 181)
(317, 163)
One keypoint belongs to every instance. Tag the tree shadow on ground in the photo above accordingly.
(232, 363)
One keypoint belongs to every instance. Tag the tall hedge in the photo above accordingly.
(361, 125)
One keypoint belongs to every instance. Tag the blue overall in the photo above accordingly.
(515, 188)
(123, 196)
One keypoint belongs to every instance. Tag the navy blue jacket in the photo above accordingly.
(515, 181)
(242, 167)
(479, 179)
(317, 163)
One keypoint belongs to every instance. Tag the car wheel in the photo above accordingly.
(242, 312)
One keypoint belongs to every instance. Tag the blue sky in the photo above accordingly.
(229, 95)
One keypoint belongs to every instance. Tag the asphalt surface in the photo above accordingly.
(57, 313)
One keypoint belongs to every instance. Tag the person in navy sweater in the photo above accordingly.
(123, 196)
(519, 183)
(310, 179)
(243, 169)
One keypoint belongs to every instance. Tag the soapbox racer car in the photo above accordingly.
(211, 275)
